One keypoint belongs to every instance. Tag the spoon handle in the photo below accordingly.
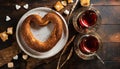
(99, 58)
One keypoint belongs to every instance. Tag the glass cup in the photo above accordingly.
(86, 45)
(86, 18)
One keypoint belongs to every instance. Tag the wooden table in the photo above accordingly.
(109, 31)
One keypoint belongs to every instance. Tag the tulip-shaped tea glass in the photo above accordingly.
(86, 45)
(86, 18)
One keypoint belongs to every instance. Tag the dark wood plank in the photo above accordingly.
(109, 32)
(109, 14)
(106, 2)
(110, 51)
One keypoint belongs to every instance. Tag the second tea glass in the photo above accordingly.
(86, 45)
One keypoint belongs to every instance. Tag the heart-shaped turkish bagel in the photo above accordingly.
(55, 36)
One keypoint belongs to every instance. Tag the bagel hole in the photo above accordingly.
(41, 33)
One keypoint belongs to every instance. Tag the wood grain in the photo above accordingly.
(109, 32)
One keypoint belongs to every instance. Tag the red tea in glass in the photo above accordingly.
(89, 44)
(87, 18)
(86, 45)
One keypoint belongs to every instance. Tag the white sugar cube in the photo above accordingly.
(15, 57)
(25, 57)
(66, 12)
(10, 65)
(10, 30)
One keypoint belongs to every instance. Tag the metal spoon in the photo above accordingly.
(99, 58)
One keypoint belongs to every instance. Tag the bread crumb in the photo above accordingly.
(70, 1)
(58, 6)
(4, 36)
(85, 3)
(25, 57)
(66, 12)
(15, 57)
(10, 30)
(10, 65)
(64, 3)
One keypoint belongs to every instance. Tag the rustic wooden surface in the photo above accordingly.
(109, 31)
